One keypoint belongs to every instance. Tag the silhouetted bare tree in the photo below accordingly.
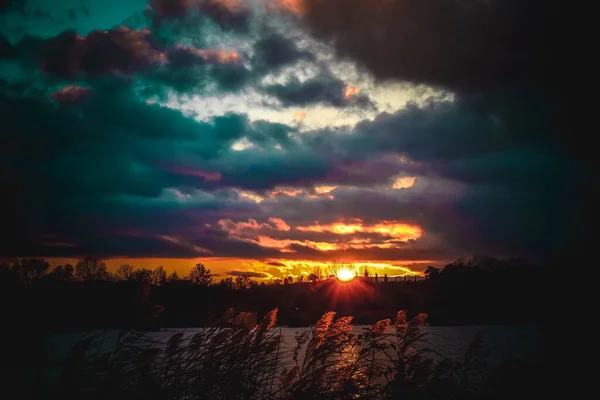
(124, 272)
(91, 269)
(227, 283)
(242, 282)
(63, 273)
(431, 272)
(200, 276)
(174, 276)
(159, 276)
(31, 269)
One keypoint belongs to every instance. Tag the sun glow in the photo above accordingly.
(345, 275)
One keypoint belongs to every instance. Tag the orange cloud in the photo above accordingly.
(299, 115)
(215, 56)
(245, 229)
(252, 196)
(284, 244)
(285, 192)
(324, 189)
(350, 91)
(399, 231)
(404, 182)
(293, 192)
(292, 6)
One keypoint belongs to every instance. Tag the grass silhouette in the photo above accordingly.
(241, 358)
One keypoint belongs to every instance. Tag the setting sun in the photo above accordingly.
(345, 275)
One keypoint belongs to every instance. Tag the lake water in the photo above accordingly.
(450, 342)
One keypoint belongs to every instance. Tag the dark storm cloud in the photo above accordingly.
(71, 94)
(12, 5)
(236, 17)
(107, 173)
(100, 165)
(99, 161)
(451, 43)
(275, 51)
(324, 88)
(190, 70)
(466, 46)
(121, 50)
(249, 274)
(6, 48)
(74, 13)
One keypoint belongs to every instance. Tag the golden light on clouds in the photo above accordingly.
(319, 192)
(274, 234)
(284, 244)
(292, 6)
(350, 91)
(217, 56)
(252, 196)
(299, 115)
(324, 189)
(241, 229)
(404, 182)
(398, 231)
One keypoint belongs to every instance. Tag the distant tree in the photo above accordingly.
(124, 272)
(200, 276)
(174, 276)
(366, 273)
(63, 273)
(376, 277)
(30, 269)
(227, 283)
(431, 272)
(385, 278)
(318, 272)
(242, 282)
(289, 280)
(301, 278)
(91, 269)
(159, 276)
(142, 275)
(312, 278)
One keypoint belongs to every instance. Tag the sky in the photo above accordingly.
(267, 137)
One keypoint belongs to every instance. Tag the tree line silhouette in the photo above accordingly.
(479, 290)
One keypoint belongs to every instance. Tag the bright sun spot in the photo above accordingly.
(345, 274)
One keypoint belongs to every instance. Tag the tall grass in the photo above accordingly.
(241, 358)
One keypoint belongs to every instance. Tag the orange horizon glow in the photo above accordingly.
(272, 269)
